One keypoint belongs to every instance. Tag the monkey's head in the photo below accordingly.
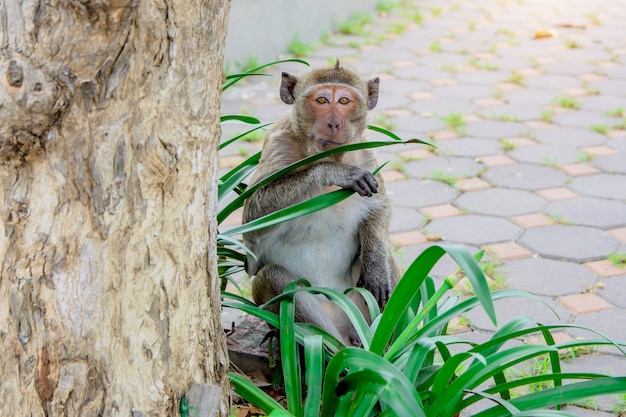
(330, 105)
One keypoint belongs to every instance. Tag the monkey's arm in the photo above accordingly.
(308, 183)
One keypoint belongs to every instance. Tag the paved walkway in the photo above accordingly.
(534, 129)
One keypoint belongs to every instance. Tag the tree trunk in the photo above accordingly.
(109, 122)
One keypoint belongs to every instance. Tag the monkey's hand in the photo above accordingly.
(353, 178)
(375, 277)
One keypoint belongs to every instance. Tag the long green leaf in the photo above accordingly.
(447, 391)
(528, 381)
(241, 135)
(340, 299)
(246, 119)
(399, 393)
(238, 202)
(233, 79)
(292, 212)
(402, 295)
(235, 176)
(313, 359)
(254, 394)
(290, 359)
(562, 395)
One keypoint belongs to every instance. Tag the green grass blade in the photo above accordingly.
(398, 392)
(292, 212)
(562, 395)
(289, 357)
(313, 359)
(403, 294)
(447, 390)
(233, 79)
(238, 202)
(241, 135)
(254, 394)
(476, 277)
(337, 297)
(241, 118)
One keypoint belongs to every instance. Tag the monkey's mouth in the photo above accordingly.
(330, 142)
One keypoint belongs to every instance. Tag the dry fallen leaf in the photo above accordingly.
(545, 33)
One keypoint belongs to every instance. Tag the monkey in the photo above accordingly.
(343, 246)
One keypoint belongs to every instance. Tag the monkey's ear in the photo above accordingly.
(372, 92)
(287, 87)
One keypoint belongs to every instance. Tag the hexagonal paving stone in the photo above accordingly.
(583, 119)
(589, 211)
(552, 81)
(520, 112)
(471, 147)
(452, 167)
(443, 106)
(539, 154)
(464, 91)
(532, 97)
(474, 229)
(501, 202)
(570, 136)
(509, 308)
(526, 177)
(417, 193)
(548, 276)
(601, 185)
(601, 103)
(575, 243)
(405, 218)
(614, 290)
(495, 129)
(611, 163)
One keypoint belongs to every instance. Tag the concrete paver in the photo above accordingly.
(539, 169)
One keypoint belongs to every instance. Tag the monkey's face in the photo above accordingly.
(337, 114)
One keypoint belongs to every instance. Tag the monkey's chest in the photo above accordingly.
(322, 247)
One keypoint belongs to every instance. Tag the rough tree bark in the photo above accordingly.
(109, 301)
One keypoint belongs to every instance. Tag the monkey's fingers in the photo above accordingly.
(380, 291)
(365, 185)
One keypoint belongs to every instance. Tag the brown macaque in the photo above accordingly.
(339, 247)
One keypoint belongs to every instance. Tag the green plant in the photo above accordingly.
(584, 156)
(298, 48)
(567, 102)
(547, 115)
(506, 117)
(617, 112)
(406, 365)
(551, 161)
(455, 121)
(621, 125)
(599, 128)
(507, 145)
(435, 11)
(516, 78)
(448, 178)
(356, 24)
(435, 47)
(572, 43)
(385, 6)
(618, 259)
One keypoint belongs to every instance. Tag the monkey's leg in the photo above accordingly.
(271, 281)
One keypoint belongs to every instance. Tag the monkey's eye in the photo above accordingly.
(321, 100)
(344, 100)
